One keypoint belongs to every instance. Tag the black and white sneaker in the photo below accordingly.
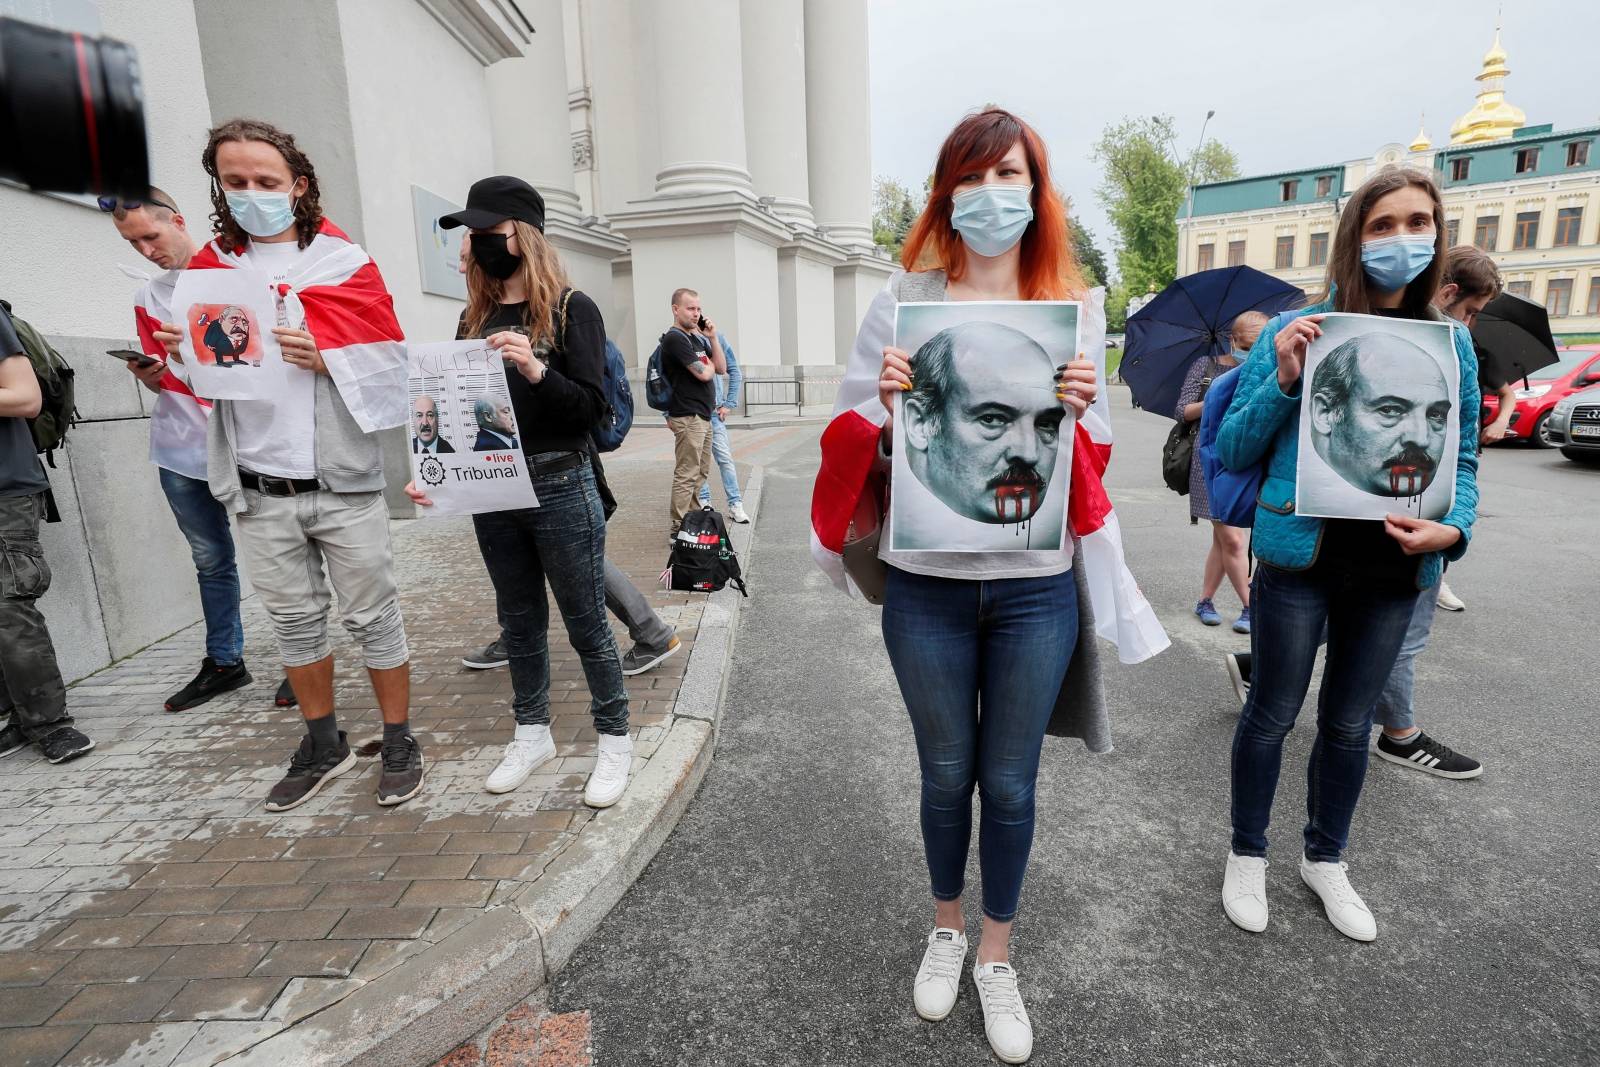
(1423, 753)
(11, 739)
(1239, 673)
(309, 770)
(491, 657)
(65, 743)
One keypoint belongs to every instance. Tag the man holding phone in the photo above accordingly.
(155, 229)
(691, 358)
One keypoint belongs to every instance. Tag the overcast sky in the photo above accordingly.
(1293, 85)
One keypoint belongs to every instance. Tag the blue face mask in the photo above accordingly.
(992, 218)
(261, 214)
(1392, 263)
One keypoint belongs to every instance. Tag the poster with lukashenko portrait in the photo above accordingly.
(1380, 419)
(982, 444)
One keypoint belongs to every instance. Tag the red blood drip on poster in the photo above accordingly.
(1403, 479)
(1013, 503)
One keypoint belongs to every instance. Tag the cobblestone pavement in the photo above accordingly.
(151, 912)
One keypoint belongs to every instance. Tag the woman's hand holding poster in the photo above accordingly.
(466, 451)
(227, 343)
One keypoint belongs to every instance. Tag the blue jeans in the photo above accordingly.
(1365, 623)
(1394, 708)
(204, 524)
(958, 646)
(562, 542)
(722, 452)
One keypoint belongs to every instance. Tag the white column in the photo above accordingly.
(839, 120)
(773, 33)
(699, 98)
(528, 112)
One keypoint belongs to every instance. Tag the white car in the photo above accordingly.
(1575, 425)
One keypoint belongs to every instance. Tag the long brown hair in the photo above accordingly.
(1347, 280)
(542, 275)
(1049, 269)
(307, 209)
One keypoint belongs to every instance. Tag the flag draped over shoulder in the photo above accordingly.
(850, 452)
(336, 290)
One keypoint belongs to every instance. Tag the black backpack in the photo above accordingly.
(57, 412)
(1177, 454)
(702, 559)
(657, 390)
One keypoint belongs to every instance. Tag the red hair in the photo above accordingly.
(1049, 269)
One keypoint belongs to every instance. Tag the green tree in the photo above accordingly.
(1090, 258)
(894, 211)
(1144, 185)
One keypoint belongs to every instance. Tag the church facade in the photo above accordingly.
(1528, 195)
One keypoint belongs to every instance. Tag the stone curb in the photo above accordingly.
(424, 1007)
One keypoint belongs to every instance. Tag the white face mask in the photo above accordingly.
(261, 214)
(991, 219)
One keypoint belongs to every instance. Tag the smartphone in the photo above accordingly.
(128, 355)
(702, 322)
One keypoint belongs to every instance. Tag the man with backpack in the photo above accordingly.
(155, 229)
(31, 688)
(690, 358)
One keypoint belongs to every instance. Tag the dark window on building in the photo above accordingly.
(1235, 253)
(1207, 257)
(1594, 295)
(1558, 297)
(1578, 153)
(1459, 169)
(1325, 185)
(1452, 232)
(1527, 160)
(1526, 234)
(1319, 250)
(1289, 190)
(1285, 256)
(1522, 289)
(1569, 220)
(1486, 235)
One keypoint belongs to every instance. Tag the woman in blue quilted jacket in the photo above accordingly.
(1355, 579)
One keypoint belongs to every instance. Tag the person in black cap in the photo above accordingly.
(552, 340)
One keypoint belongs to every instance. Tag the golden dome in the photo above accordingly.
(1491, 118)
(1421, 142)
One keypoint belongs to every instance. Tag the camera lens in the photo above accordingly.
(71, 112)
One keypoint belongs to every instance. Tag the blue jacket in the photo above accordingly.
(1263, 421)
(729, 396)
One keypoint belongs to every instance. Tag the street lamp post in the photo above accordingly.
(1188, 211)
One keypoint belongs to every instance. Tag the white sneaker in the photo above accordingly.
(939, 977)
(529, 747)
(1346, 910)
(1448, 600)
(1005, 1020)
(1244, 892)
(612, 766)
(736, 512)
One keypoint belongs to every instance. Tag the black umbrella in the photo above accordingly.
(1512, 336)
(1189, 320)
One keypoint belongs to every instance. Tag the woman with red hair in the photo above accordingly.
(972, 629)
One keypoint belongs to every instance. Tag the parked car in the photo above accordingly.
(1574, 425)
(1578, 368)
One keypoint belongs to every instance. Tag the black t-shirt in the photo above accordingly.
(690, 395)
(21, 473)
(1363, 547)
(557, 414)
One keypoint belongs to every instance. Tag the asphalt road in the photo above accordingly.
(783, 921)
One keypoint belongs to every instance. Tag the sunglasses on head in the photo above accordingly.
(117, 203)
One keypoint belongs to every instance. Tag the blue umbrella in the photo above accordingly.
(1190, 320)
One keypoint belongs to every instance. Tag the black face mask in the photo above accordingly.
(489, 250)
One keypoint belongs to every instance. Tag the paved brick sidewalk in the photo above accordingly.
(151, 912)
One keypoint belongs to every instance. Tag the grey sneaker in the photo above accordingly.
(11, 739)
(491, 657)
(402, 771)
(308, 771)
(641, 657)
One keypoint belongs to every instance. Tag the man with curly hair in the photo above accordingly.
(303, 472)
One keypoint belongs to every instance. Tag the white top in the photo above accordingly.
(275, 437)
